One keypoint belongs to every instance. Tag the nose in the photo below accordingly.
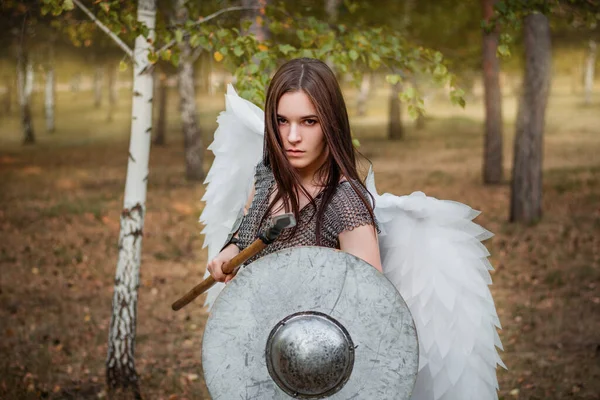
(294, 135)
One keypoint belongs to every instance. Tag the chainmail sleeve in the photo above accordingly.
(249, 227)
(347, 211)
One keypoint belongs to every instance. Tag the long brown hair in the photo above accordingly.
(317, 81)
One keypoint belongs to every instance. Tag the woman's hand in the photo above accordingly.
(215, 266)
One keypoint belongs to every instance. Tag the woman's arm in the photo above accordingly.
(362, 242)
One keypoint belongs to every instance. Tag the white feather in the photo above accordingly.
(237, 147)
(431, 252)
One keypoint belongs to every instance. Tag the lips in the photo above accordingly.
(295, 153)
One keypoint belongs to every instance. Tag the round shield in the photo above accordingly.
(310, 322)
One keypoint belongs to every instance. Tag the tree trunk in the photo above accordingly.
(76, 82)
(8, 95)
(161, 105)
(363, 94)
(589, 72)
(492, 158)
(194, 148)
(395, 131)
(50, 90)
(526, 196)
(98, 78)
(112, 92)
(332, 10)
(120, 363)
(258, 27)
(25, 87)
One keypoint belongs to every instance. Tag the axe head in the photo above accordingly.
(280, 223)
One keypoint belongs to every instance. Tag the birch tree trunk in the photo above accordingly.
(589, 72)
(98, 78)
(120, 362)
(8, 95)
(112, 91)
(363, 94)
(526, 195)
(395, 131)
(25, 87)
(492, 158)
(50, 90)
(332, 9)
(161, 105)
(193, 146)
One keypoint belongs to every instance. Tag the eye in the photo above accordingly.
(281, 120)
(310, 122)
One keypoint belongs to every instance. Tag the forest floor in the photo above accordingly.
(59, 222)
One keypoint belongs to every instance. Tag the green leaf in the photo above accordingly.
(412, 111)
(195, 40)
(238, 51)
(179, 35)
(286, 48)
(68, 5)
(393, 79)
(457, 97)
(501, 7)
(166, 55)
(152, 57)
(440, 71)
(175, 59)
(408, 94)
(353, 55)
(252, 69)
(503, 50)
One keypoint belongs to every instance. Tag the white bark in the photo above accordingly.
(29, 76)
(121, 340)
(24, 89)
(98, 80)
(363, 94)
(331, 8)
(112, 91)
(50, 90)
(20, 81)
(589, 71)
(49, 99)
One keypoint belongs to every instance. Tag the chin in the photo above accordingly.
(299, 164)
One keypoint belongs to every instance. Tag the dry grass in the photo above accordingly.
(59, 213)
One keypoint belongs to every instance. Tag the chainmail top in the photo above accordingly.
(345, 211)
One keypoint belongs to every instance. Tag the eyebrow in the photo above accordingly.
(303, 117)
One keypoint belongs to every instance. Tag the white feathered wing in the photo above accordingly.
(237, 147)
(432, 252)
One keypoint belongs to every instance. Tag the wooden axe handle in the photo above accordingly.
(228, 268)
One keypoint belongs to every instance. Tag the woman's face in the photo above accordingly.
(300, 132)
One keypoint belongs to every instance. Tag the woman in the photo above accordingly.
(429, 249)
(308, 168)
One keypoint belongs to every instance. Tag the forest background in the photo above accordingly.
(436, 103)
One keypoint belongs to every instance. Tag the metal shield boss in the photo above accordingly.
(310, 323)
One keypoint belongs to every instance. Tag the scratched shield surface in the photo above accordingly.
(317, 279)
